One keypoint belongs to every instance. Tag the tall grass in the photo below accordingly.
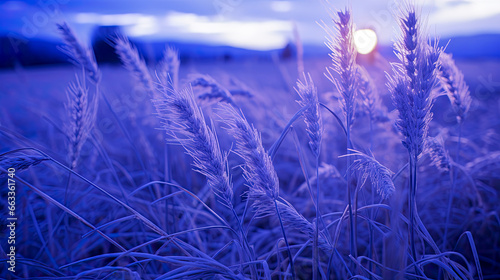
(135, 65)
(257, 196)
(184, 121)
(343, 54)
(258, 171)
(452, 81)
(309, 100)
(412, 85)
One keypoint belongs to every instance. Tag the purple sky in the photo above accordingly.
(255, 24)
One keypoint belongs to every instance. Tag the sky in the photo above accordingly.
(252, 24)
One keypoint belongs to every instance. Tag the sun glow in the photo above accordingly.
(365, 40)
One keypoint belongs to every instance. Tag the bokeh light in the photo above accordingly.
(365, 40)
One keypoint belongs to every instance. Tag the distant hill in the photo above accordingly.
(41, 52)
(475, 46)
(29, 52)
(464, 47)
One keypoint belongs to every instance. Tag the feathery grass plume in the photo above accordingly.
(258, 169)
(20, 161)
(413, 81)
(82, 115)
(184, 121)
(309, 98)
(438, 154)
(341, 44)
(369, 95)
(216, 90)
(452, 81)
(79, 54)
(135, 65)
(380, 176)
(169, 67)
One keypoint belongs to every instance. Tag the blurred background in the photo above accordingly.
(225, 28)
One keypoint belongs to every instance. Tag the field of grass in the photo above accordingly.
(134, 174)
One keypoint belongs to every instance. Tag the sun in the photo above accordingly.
(365, 40)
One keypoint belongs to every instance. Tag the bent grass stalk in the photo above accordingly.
(183, 120)
(258, 169)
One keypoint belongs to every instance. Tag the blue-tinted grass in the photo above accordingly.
(183, 175)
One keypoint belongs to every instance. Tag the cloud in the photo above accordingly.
(258, 34)
(463, 11)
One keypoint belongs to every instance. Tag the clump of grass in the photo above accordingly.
(178, 239)
(184, 121)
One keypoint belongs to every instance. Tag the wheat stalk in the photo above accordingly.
(343, 54)
(411, 85)
(309, 99)
(82, 115)
(452, 81)
(438, 154)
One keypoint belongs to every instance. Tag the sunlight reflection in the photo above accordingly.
(365, 40)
